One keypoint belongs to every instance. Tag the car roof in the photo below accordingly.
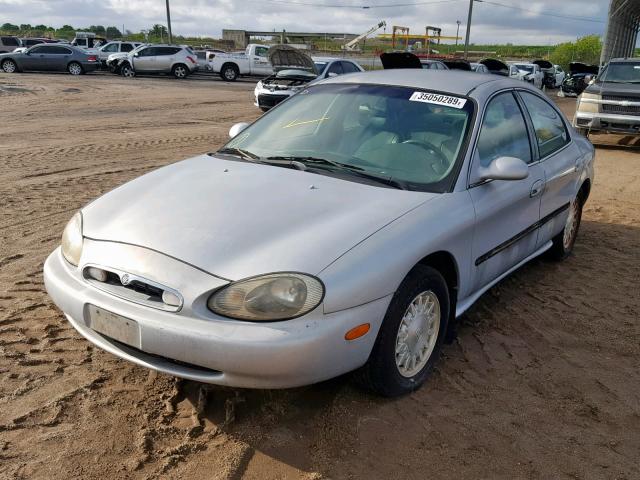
(453, 81)
(331, 59)
(625, 60)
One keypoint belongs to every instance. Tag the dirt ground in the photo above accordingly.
(542, 382)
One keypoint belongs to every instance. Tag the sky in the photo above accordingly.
(530, 24)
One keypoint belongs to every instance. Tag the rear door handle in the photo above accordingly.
(536, 188)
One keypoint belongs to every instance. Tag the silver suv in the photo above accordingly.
(115, 47)
(178, 60)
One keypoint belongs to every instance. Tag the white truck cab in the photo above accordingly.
(252, 62)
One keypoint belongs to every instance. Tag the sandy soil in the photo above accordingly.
(542, 382)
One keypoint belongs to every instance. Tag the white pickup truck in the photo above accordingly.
(252, 62)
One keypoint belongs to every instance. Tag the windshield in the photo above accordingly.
(320, 66)
(402, 134)
(526, 68)
(627, 72)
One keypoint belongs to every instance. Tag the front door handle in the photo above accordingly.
(536, 188)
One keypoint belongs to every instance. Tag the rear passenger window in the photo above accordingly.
(551, 132)
(504, 131)
(126, 47)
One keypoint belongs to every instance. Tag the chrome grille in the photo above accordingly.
(621, 109)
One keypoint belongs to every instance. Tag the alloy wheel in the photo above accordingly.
(9, 66)
(180, 72)
(75, 69)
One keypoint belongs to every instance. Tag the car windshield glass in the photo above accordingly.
(410, 136)
(526, 68)
(628, 72)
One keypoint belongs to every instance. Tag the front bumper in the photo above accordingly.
(266, 99)
(217, 350)
(606, 122)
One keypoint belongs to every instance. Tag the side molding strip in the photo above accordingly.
(520, 235)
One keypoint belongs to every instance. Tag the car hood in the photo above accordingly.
(237, 219)
(284, 57)
(543, 64)
(631, 90)
(495, 66)
(577, 67)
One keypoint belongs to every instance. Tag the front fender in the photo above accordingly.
(375, 268)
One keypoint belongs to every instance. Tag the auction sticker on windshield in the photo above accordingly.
(438, 99)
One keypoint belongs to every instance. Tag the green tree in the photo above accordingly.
(41, 27)
(586, 50)
(9, 27)
(113, 32)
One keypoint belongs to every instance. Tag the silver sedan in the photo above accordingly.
(345, 229)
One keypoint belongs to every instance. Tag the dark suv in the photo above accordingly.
(612, 102)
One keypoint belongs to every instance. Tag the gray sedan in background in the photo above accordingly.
(49, 57)
(345, 229)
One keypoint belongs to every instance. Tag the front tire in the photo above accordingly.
(126, 70)
(180, 71)
(410, 338)
(564, 241)
(9, 66)
(74, 68)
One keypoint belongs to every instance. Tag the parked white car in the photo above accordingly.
(289, 79)
(530, 72)
(254, 61)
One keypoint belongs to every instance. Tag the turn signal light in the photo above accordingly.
(357, 332)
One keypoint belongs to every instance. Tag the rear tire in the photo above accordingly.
(410, 338)
(564, 241)
(180, 71)
(229, 72)
(9, 66)
(74, 68)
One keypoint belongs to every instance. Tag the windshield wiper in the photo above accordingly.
(239, 152)
(315, 162)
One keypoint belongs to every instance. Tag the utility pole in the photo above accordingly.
(457, 31)
(466, 42)
(169, 23)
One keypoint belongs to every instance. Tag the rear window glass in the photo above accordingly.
(10, 41)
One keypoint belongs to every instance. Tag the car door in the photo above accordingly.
(107, 50)
(507, 211)
(559, 157)
(260, 61)
(36, 59)
(58, 58)
(145, 60)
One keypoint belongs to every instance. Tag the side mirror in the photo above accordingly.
(588, 78)
(237, 128)
(332, 74)
(504, 168)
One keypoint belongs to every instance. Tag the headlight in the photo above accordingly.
(588, 102)
(72, 240)
(277, 296)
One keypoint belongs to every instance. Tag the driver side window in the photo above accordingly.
(504, 132)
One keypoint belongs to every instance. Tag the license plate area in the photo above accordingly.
(112, 325)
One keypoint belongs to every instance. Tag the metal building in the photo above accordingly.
(622, 30)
